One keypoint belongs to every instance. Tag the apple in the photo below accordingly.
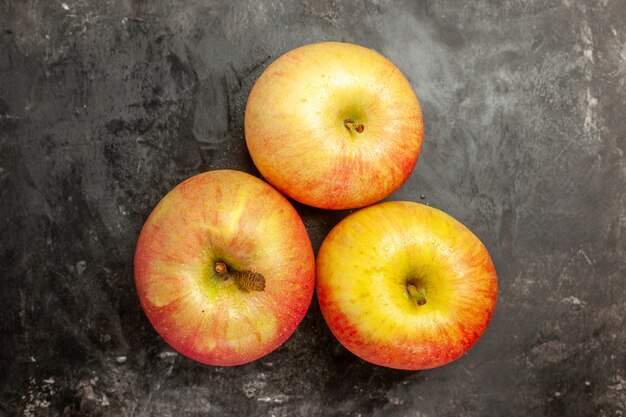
(333, 125)
(405, 285)
(224, 268)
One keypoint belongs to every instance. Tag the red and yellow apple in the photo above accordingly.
(224, 268)
(405, 285)
(334, 125)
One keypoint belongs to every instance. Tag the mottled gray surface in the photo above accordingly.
(106, 105)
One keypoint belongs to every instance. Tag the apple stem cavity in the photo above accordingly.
(352, 126)
(246, 281)
(417, 295)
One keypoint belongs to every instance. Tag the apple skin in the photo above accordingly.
(236, 218)
(297, 136)
(363, 268)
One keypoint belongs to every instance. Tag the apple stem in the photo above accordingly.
(417, 295)
(246, 281)
(352, 126)
(220, 268)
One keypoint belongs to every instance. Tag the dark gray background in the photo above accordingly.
(106, 105)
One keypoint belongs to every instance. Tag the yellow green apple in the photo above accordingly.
(224, 268)
(405, 285)
(334, 125)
